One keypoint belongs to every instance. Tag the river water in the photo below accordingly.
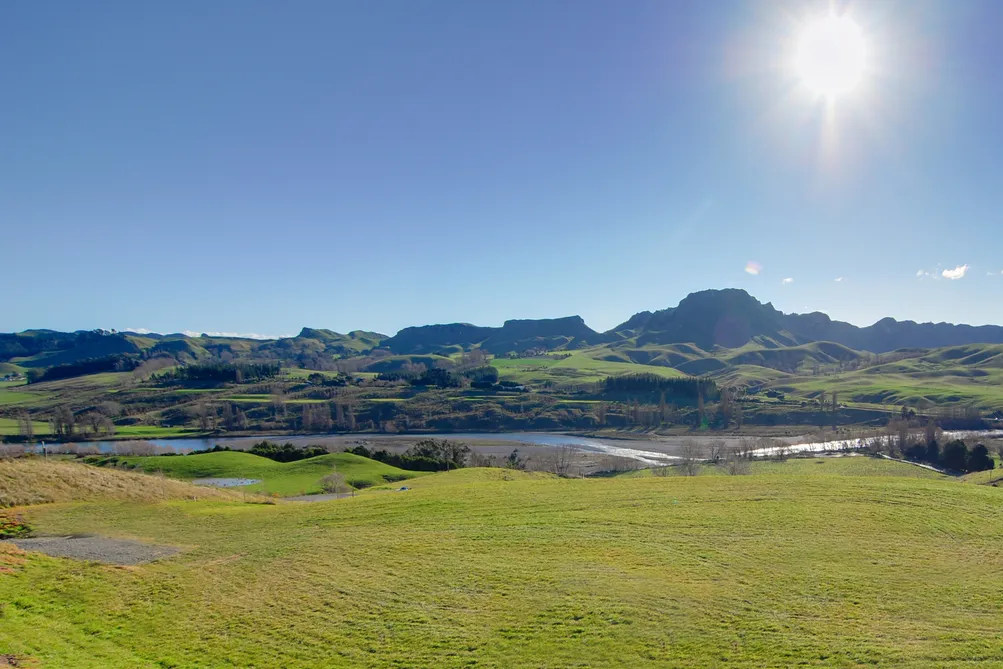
(647, 452)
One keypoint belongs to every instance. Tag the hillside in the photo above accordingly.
(708, 320)
(524, 375)
(507, 570)
(45, 481)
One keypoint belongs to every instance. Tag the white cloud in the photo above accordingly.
(753, 268)
(138, 330)
(245, 335)
(787, 281)
(956, 273)
(920, 274)
(838, 279)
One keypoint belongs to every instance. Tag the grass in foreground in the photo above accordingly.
(501, 569)
(843, 466)
(292, 478)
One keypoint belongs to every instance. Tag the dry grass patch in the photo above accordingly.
(33, 481)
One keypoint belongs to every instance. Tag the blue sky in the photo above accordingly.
(261, 166)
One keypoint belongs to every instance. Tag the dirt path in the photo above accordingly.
(97, 549)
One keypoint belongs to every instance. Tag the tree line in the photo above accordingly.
(691, 388)
(428, 455)
(224, 372)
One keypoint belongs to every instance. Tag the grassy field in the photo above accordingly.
(579, 367)
(10, 426)
(285, 479)
(493, 568)
(801, 467)
(15, 397)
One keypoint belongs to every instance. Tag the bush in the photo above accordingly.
(287, 452)
(333, 483)
(13, 526)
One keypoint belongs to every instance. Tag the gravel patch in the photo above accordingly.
(225, 482)
(316, 498)
(97, 549)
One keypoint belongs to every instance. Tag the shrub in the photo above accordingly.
(333, 483)
(287, 452)
(13, 526)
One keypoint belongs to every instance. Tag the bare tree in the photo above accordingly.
(690, 455)
(333, 483)
(745, 448)
(716, 451)
(601, 409)
(735, 464)
(94, 421)
(25, 427)
(63, 422)
(561, 460)
(278, 404)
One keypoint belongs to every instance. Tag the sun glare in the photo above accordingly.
(830, 56)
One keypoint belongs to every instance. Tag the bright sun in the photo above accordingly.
(830, 56)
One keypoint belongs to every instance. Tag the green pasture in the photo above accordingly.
(493, 568)
(293, 478)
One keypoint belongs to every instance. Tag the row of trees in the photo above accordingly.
(108, 363)
(688, 388)
(428, 455)
(478, 377)
(224, 372)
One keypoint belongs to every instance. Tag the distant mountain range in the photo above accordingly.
(710, 320)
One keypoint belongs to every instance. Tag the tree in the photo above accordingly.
(689, 458)
(979, 459)
(725, 407)
(514, 461)
(735, 463)
(94, 421)
(333, 483)
(63, 422)
(716, 451)
(955, 456)
(278, 404)
(561, 460)
(601, 410)
(25, 427)
(932, 452)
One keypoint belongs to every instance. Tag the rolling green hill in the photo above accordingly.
(292, 478)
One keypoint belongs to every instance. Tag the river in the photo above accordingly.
(649, 452)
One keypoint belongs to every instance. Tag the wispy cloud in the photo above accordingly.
(753, 268)
(196, 333)
(787, 280)
(923, 274)
(241, 335)
(838, 279)
(957, 273)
